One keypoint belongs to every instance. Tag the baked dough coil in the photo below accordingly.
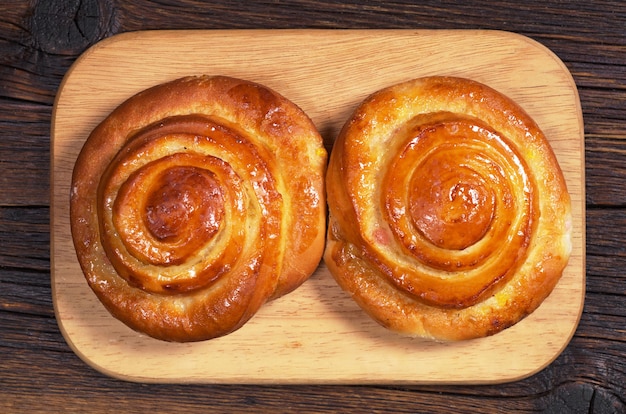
(449, 214)
(197, 201)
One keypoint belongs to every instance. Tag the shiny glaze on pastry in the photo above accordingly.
(449, 214)
(197, 201)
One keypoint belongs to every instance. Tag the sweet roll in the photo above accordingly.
(449, 216)
(197, 201)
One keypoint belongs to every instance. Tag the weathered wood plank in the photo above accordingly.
(40, 373)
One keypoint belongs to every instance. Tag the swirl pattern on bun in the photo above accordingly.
(449, 214)
(195, 202)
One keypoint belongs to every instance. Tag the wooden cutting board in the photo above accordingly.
(316, 334)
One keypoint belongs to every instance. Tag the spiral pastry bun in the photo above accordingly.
(449, 217)
(195, 202)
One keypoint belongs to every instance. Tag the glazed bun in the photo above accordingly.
(195, 202)
(449, 217)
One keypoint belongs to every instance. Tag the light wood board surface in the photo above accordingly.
(316, 334)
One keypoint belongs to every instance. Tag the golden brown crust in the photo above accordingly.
(195, 202)
(449, 216)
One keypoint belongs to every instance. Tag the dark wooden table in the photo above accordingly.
(40, 39)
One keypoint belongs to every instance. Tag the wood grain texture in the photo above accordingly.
(39, 373)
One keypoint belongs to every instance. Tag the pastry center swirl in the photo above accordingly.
(452, 209)
(181, 202)
(181, 197)
(460, 204)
